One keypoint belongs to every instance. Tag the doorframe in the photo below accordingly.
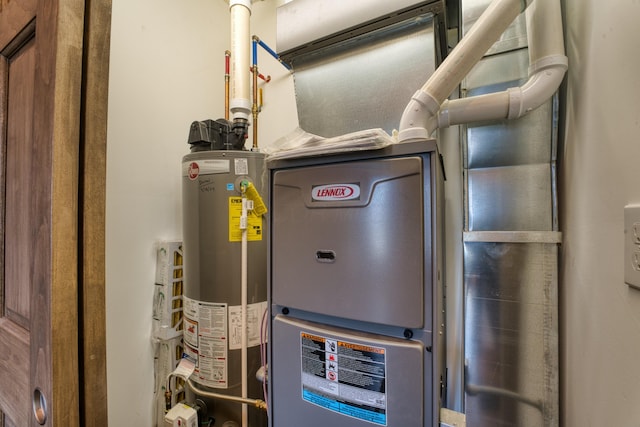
(92, 207)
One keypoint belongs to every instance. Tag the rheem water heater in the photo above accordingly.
(212, 193)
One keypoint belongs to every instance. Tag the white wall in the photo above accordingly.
(599, 176)
(167, 68)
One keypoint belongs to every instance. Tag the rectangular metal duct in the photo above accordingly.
(511, 322)
(357, 63)
(510, 249)
(364, 83)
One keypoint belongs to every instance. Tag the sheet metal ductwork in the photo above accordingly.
(510, 247)
(357, 63)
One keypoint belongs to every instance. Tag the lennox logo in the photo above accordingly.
(333, 192)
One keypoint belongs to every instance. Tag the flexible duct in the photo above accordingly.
(428, 108)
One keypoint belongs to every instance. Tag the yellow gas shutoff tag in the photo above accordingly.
(258, 205)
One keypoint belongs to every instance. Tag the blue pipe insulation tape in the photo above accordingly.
(255, 52)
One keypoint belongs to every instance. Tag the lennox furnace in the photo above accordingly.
(357, 300)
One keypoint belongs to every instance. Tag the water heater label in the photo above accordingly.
(254, 222)
(205, 339)
(241, 166)
(335, 192)
(344, 377)
(255, 316)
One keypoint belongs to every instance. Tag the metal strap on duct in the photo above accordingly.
(513, 236)
(307, 25)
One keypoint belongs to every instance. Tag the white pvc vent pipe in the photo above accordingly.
(429, 109)
(240, 103)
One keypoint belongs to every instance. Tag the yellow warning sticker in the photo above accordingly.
(254, 222)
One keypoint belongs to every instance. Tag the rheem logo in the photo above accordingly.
(194, 171)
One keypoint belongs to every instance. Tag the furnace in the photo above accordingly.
(356, 288)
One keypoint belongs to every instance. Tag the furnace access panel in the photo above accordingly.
(357, 324)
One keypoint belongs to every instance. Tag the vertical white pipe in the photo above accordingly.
(240, 106)
(240, 103)
(243, 298)
(547, 61)
(544, 30)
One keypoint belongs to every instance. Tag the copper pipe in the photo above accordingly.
(266, 79)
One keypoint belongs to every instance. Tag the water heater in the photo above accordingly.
(212, 179)
(356, 288)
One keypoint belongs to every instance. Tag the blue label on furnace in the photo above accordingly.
(345, 408)
(230, 186)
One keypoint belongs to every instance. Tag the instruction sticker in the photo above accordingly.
(344, 377)
(255, 315)
(205, 339)
(254, 222)
(241, 166)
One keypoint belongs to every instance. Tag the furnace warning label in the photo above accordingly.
(254, 222)
(344, 377)
(205, 339)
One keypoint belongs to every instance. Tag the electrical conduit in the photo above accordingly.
(428, 108)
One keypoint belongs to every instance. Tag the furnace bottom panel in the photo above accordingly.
(326, 376)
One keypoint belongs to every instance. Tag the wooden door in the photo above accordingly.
(51, 271)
